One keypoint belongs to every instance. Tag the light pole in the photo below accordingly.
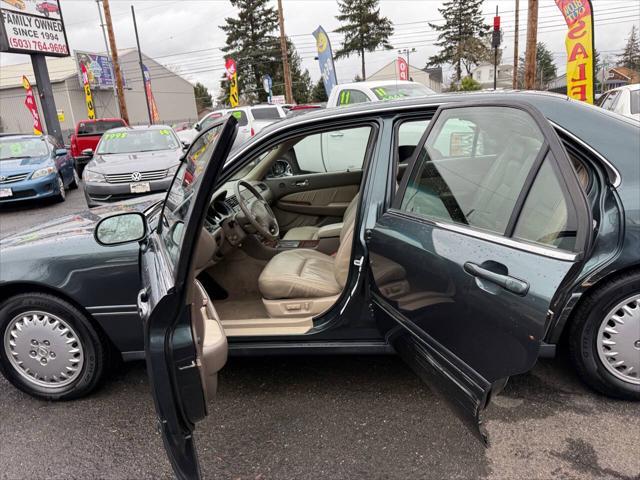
(406, 52)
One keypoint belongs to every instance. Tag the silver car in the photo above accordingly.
(129, 162)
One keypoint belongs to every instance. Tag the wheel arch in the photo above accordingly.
(559, 333)
(8, 290)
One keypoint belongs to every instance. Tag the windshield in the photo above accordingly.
(98, 127)
(207, 121)
(131, 141)
(635, 101)
(22, 148)
(266, 113)
(184, 189)
(395, 92)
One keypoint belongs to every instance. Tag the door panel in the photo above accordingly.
(313, 199)
(185, 345)
(469, 303)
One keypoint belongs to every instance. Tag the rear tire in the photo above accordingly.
(604, 339)
(48, 348)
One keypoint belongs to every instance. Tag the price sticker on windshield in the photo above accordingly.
(238, 115)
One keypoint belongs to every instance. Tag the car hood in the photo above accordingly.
(73, 228)
(23, 165)
(135, 162)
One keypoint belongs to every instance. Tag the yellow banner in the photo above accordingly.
(233, 90)
(91, 111)
(579, 43)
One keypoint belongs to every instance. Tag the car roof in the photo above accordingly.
(21, 135)
(631, 88)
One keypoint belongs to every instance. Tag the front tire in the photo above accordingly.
(604, 338)
(62, 193)
(75, 182)
(49, 348)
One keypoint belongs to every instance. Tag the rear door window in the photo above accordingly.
(635, 102)
(265, 113)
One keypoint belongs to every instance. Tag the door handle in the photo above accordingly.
(507, 282)
(336, 134)
(302, 183)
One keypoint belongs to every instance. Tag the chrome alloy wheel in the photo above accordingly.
(63, 194)
(43, 349)
(618, 340)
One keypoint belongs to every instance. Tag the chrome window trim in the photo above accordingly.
(491, 237)
(617, 178)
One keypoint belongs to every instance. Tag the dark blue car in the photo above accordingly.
(34, 167)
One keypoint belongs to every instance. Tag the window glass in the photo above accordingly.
(209, 120)
(473, 166)
(402, 90)
(26, 147)
(334, 151)
(265, 113)
(635, 102)
(143, 140)
(241, 116)
(608, 102)
(350, 97)
(184, 189)
(98, 127)
(409, 135)
(547, 217)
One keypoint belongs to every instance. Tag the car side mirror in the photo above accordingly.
(197, 127)
(60, 152)
(121, 228)
(87, 152)
(185, 145)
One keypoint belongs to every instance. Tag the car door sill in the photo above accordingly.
(247, 349)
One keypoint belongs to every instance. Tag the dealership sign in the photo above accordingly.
(32, 26)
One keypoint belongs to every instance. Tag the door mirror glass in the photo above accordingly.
(122, 228)
(87, 152)
(197, 127)
(60, 152)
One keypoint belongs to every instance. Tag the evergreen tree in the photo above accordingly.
(460, 38)
(546, 69)
(364, 29)
(318, 93)
(253, 44)
(630, 56)
(203, 97)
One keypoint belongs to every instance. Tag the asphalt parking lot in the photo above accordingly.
(320, 417)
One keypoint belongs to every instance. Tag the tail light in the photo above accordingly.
(252, 132)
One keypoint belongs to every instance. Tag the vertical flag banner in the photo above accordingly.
(579, 43)
(232, 76)
(30, 103)
(403, 69)
(91, 112)
(155, 116)
(325, 59)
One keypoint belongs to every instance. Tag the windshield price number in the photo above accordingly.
(38, 45)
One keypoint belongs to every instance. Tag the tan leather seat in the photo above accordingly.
(311, 233)
(303, 273)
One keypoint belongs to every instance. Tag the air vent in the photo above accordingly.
(232, 202)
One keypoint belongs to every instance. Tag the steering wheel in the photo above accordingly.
(258, 212)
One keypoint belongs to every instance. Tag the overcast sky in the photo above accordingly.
(186, 35)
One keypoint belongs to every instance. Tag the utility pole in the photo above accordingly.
(106, 47)
(114, 59)
(144, 80)
(515, 46)
(532, 42)
(495, 43)
(288, 92)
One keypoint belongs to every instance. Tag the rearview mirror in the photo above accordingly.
(87, 152)
(121, 228)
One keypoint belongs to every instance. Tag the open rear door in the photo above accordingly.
(185, 344)
(469, 261)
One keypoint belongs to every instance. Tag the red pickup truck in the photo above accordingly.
(87, 136)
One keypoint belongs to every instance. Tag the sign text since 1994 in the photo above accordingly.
(25, 32)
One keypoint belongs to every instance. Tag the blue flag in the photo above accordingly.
(325, 58)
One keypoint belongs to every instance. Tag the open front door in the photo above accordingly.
(185, 344)
(487, 226)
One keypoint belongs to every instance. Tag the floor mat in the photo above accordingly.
(241, 309)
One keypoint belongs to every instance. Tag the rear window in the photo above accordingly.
(99, 127)
(241, 117)
(269, 113)
(635, 101)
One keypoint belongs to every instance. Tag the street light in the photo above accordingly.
(406, 51)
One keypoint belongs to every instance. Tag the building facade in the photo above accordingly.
(173, 94)
(390, 72)
(483, 74)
